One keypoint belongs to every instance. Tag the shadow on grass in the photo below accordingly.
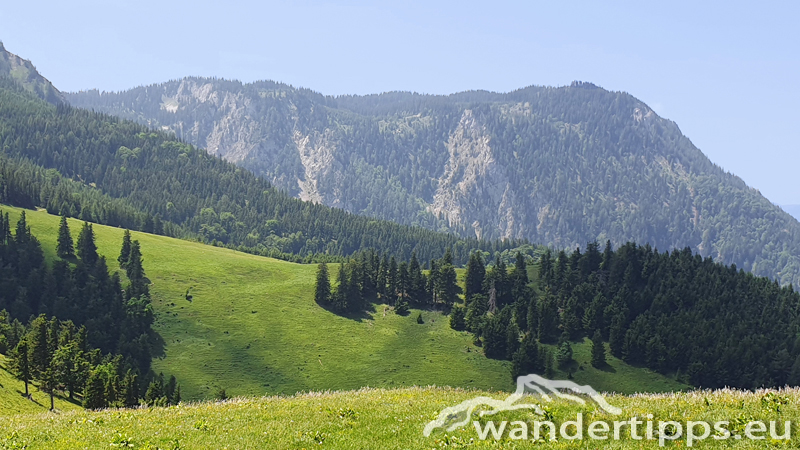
(358, 316)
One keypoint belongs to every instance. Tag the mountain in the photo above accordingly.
(23, 72)
(106, 170)
(794, 210)
(557, 166)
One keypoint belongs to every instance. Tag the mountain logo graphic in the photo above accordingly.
(527, 386)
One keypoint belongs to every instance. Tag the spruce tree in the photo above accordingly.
(416, 280)
(86, 248)
(64, 246)
(322, 288)
(457, 321)
(39, 350)
(519, 279)
(125, 252)
(446, 287)
(391, 280)
(94, 396)
(19, 364)
(598, 350)
(476, 272)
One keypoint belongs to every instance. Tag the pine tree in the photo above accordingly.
(457, 321)
(94, 394)
(339, 295)
(526, 359)
(125, 253)
(155, 392)
(135, 271)
(476, 272)
(446, 287)
(130, 390)
(38, 347)
(176, 397)
(494, 338)
(519, 279)
(564, 353)
(19, 364)
(598, 350)
(549, 369)
(512, 340)
(391, 280)
(416, 280)
(322, 288)
(64, 246)
(86, 248)
(402, 282)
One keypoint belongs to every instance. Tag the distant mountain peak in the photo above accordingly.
(23, 72)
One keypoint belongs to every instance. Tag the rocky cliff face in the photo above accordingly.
(24, 73)
(474, 190)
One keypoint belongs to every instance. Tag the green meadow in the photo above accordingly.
(395, 419)
(249, 325)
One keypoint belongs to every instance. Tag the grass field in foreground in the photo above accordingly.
(385, 419)
(253, 328)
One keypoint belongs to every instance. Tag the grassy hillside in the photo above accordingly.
(383, 419)
(12, 400)
(252, 328)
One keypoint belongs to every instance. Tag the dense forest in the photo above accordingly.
(74, 327)
(557, 166)
(111, 171)
(708, 324)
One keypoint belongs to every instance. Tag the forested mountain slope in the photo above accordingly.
(111, 171)
(558, 166)
(23, 72)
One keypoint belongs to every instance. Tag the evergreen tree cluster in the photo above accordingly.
(110, 171)
(675, 312)
(85, 334)
(370, 277)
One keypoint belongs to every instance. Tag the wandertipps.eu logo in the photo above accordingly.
(528, 386)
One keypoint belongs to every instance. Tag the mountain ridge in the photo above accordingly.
(558, 166)
(23, 72)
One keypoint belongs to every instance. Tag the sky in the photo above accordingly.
(725, 72)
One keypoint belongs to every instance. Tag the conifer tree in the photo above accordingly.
(598, 350)
(402, 282)
(383, 273)
(391, 280)
(457, 321)
(519, 279)
(446, 287)
(64, 246)
(130, 390)
(19, 364)
(416, 280)
(125, 252)
(476, 272)
(94, 396)
(526, 359)
(322, 288)
(86, 248)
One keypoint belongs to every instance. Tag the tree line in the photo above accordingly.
(373, 277)
(74, 327)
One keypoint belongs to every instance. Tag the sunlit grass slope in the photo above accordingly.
(13, 401)
(251, 327)
(384, 419)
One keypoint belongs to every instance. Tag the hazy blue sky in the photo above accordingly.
(726, 72)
